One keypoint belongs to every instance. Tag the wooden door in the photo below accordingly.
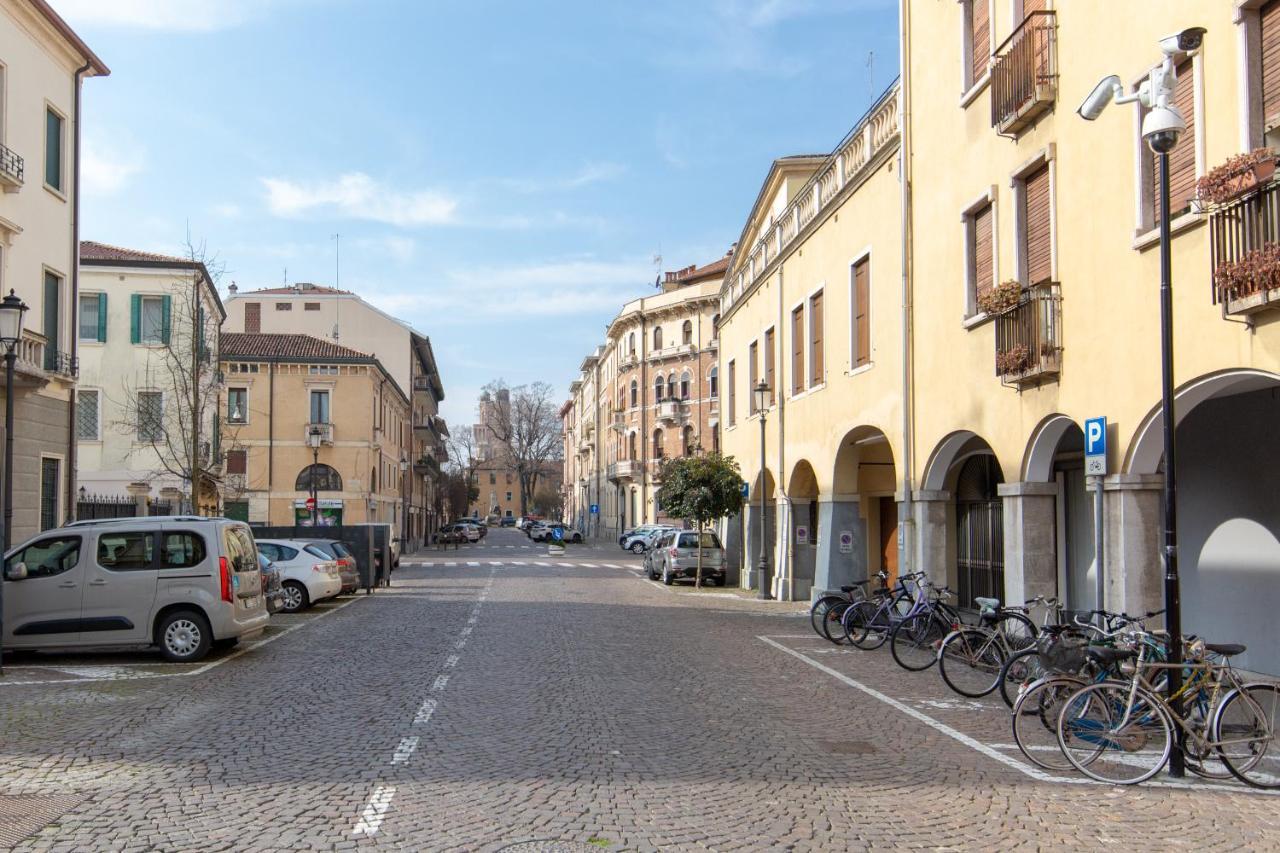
(889, 538)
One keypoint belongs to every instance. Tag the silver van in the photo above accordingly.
(182, 583)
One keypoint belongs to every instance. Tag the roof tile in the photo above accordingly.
(91, 250)
(285, 346)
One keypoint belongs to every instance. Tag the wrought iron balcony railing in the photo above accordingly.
(1244, 251)
(1029, 337)
(11, 167)
(1024, 73)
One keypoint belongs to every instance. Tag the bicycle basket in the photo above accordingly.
(1063, 653)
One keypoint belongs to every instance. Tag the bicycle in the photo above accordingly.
(867, 624)
(972, 658)
(826, 615)
(915, 640)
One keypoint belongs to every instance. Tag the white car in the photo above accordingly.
(471, 531)
(307, 574)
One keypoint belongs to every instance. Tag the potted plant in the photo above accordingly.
(1236, 176)
(1000, 298)
(1016, 359)
(1257, 271)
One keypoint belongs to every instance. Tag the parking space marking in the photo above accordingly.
(473, 564)
(425, 711)
(439, 684)
(375, 809)
(451, 662)
(405, 750)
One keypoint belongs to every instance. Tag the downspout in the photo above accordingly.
(783, 521)
(644, 417)
(907, 526)
(75, 295)
(271, 433)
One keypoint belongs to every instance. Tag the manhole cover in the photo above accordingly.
(848, 747)
(551, 845)
(23, 816)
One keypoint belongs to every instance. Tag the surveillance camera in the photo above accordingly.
(1187, 41)
(1162, 127)
(1100, 97)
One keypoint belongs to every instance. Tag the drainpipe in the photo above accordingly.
(75, 294)
(785, 560)
(907, 527)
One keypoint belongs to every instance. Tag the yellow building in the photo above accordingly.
(280, 388)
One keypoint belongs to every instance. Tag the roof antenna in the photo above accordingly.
(871, 74)
(337, 285)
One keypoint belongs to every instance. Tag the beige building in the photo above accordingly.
(42, 65)
(282, 387)
(649, 393)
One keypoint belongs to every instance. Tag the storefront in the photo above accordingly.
(328, 512)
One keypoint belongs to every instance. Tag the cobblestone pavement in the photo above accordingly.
(498, 702)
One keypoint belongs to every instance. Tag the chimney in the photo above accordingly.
(232, 289)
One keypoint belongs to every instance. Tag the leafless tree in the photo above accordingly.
(463, 458)
(526, 430)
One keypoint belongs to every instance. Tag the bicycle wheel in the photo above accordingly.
(1016, 631)
(970, 661)
(1115, 733)
(1035, 720)
(821, 610)
(915, 640)
(833, 624)
(1201, 755)
(1020, 669)
(1245, 731)
(864, 625)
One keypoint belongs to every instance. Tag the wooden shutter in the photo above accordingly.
(732, 390)
(1029, 6)
(1036, 222)
(1270, 18)
(983, 262)
(1182, 160)
(102, 317)
(769, 358)
(753, 375)
(861, 313)
(817, 364)
(980, 39)
(52, 320)
(236, 461)
(135, 318)
(797, 350)
(252, 318)
(166, 317)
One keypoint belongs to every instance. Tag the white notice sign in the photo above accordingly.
(846, 542)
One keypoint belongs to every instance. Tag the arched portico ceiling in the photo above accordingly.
(1147, 448)
(803, 483)
(953, 449)
(862, 448)
(1037, 465)
(768, 485)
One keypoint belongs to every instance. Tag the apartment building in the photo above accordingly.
(42, 65)
(148, 400)
(583, 471)
(286, 391)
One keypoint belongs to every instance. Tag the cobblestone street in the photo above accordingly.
(492, 698)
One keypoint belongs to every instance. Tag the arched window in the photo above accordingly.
(686, 332)
(684, 385)
(657, 444)
(631, 446)
(671, 386)
(326, 479)
(688, 441)
(635, 394)
(715, 327)
(714, 382)
(657, 389)
(657, 337)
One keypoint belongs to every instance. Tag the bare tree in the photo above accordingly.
(463, 459)
(526, 429)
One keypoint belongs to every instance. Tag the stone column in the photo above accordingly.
(1134, 523)
(140, 492)
(931, 531)
(174, 498)
(782, 560)
(1030, 540)
(839, 514)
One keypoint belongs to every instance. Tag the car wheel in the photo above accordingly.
(637, 548)
(666, 576)
(183, 636)
(295, 597)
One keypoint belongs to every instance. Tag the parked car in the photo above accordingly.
(306, 577)
(677, 554)
(528, 521)
(182, 583)
(637, 541)
(482, 529)
(546, 532)
(652, 559)
(271, 586)
(508, 521)
(337, 550)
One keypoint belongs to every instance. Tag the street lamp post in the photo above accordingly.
(404, 503)
(761, 400)
(313, 439)
(11, 310)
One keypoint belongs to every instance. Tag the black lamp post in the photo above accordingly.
(760, 396)
(313, 439)
(11, 311)
(404, 503)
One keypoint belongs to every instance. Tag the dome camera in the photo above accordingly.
(1187, 41)
(1162, 127)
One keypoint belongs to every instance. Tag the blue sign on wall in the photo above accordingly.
(595, 509)
(746, 490)
(1095, 446)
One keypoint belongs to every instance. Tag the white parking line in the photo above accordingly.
(439, 684)
(588, 565)
(451, 662)
(375, 810)
(473, 564)
(405, 750)
(424, 712)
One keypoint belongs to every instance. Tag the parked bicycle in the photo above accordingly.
(971, 659)
(826, 615)
(867, 624)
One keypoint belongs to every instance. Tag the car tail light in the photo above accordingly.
(224, 572)
(325, 568)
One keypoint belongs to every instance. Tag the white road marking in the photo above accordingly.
(540, 563)
(467, 630)
(451, 661)
(588, 565)
(451, 562)
(440, 682)
(472, 564)
(566, 565)
(375, 810)
(494, 563)
(405, 750)
(423, 716)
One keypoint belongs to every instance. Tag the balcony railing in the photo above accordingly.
(1029, 337)
(619, 421)
(11, 168)
(1024, 73)
(621, 470)
(671, 410)
(326, 433)
(1241, 229)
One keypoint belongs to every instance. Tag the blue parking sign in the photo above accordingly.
(1095, 446)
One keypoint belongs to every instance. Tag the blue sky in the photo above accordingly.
(502, 173)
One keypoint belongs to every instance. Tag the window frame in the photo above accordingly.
(61, 189)
(968, 218)
(139, 436)
(328, 406)
(97, 416)
(160, 552)
(244, 419)
(149, 535)
(1047, 157)
(159, 340)
(811, 344)
(971, 87)
(95, 297)
(799, 371)
(753, 375)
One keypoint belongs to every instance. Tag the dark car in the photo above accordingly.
(507, 521)
(333, 549)
(271, 586)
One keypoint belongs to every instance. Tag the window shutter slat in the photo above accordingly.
(797, 351)
(166, 313)
(1270, 18)
(861, 324)
(1038, 231)
(1182, 160)
(768, 365)
(817, 362)
(135, 318)
(983, 266)
(981, 44)
(102, 317)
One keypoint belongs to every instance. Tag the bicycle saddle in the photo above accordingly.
(1225, 649)
(987, 603)
(1109, 656)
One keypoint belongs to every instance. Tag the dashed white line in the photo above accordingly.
(473, 563)
(440, 682)
(467, 630)
(375, 809)
(451, 661)
(424, 712)
(405, 750)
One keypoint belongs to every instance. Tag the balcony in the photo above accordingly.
(11, 169)
(671, 410)
(1244, 242)
(1029, 337)
(673, 351)
(628, 361)
(1024, 74)
(619, 421)
(326, 434)
(622, 470)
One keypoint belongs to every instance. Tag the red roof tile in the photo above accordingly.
(285, 346)
(302, 288)
(91, 250)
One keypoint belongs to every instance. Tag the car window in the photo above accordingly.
(48, 557)
(690, 540)
(340, 549)
(182, 550)
(240, 548)
(318, 551)
(266, 549)
(284, 552)
(126, 551)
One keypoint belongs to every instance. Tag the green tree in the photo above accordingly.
(700, 489)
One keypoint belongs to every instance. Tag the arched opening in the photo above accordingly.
(631, 447)
(686, 332)
(964, 533)
(715, 327)
(657, 337)
(324, 477)
(631, 343)
(671, 386)
(687, 435)
(1055, 456)
(802, 489)
(635, 394)
(657, 444)
(863, 511)
(657, 389)
(684, 385)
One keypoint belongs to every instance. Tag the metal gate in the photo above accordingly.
(980, 531)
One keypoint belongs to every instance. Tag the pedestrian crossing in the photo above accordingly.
(475, 564)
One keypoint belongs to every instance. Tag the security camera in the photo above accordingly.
(1098, 99)
(1161, 128)
(1187, 41)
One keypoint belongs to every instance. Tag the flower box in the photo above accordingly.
(1237, 176)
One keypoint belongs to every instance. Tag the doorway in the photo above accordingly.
(889, 538)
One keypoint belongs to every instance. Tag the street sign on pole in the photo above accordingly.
(1095, 447)
(746, 491)
(311, 504)
(557, 533)
(595, 509)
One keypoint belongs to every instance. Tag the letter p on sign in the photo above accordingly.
(1095, 446)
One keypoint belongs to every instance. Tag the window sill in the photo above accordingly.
(54, 191)
(91, 342)
(973, 321)
(1180, 224)
(975, 90)
(862, 369)
(89, 441)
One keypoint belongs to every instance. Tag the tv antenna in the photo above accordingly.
(871, 73)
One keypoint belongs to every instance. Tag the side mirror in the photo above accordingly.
(16, 572)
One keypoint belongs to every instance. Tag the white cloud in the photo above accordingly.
(106, 168)
(358, 196)
(227, 210)
(172, 15)
(590, 173)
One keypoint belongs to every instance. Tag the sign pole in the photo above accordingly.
(1095, 468)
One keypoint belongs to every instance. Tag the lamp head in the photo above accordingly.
(11, 310)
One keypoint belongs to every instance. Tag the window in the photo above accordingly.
(657, 337)
(1268, 70)
(712, 382)
(508, 497)
(861, 292)
(797, 350)
(753, 376)
(635, 393)
(631, 447)
(52, 320)
(980, 268)
(237, 461)
(817, 364)
(688, 441)
(237, 405)
(977, 43)
(733, 390)
(493, 479)
(684, 385)
(631, 344)
(284, 306)
(686, 332)
(769, 358)
(319, 407)
(1182, 160)
(311, 306)
(253, 317)
(657, 444)
(715, 327)
(126, 551)
(325, 478)
(182, 550)
(1036, 229)
(149, 319)
(671, 386)
(50, 483)
(150, 416)
(93, 317)
(48, 557)
(54, 145)
(657, 389)
(509, 479)
(87, 415)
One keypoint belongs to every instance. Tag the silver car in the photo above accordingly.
(182, 583)
(676, 554)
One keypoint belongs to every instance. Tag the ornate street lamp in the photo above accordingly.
(313, 439)
(12, 310)
(760, 396)
(404, 502)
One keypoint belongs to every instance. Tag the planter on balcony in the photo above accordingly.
(1238, 175)
(1001, 298)
(1028, 337)
(1247, 285)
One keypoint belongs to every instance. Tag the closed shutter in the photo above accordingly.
(102, 317)
(769, 358)
(861, 313)
(980, 33)
(1270, 16)
(252, 318)
(797, 350)
(983, 262)
(753, 375)
(1029, 6)
(733, 392)
(1039, 247)
(52, 319)
(1182, 160)
(817, 363)
(135, 318)
(236, 461)
(166, 316)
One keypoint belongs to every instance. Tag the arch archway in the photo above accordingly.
(1064, 506)
(863, 509)
(803, 535)
(325, 477)
(962, 517)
